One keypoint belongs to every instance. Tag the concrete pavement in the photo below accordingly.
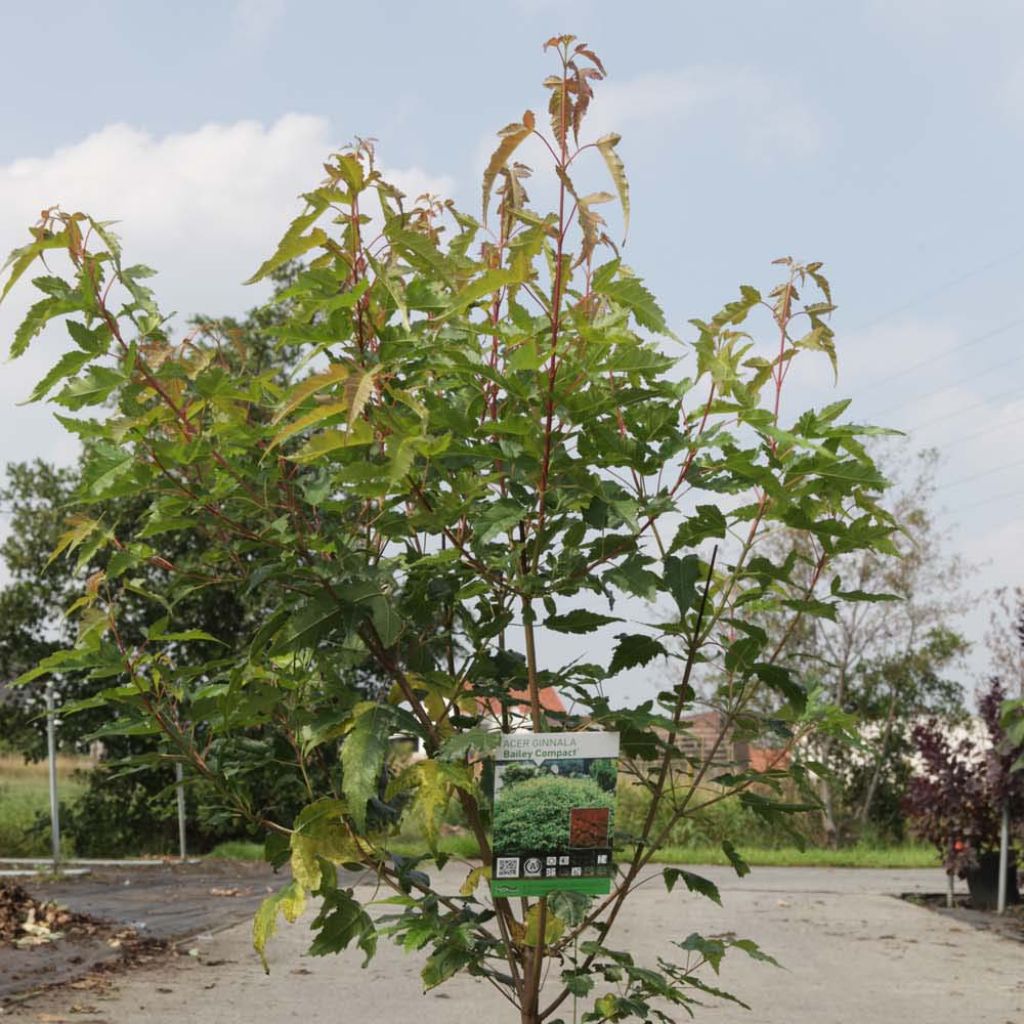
(851, 954)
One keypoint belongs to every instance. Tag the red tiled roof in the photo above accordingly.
(549, 701)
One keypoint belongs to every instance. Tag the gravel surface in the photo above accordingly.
(851, 952)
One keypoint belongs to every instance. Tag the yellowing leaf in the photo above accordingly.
(357, 392)
(310, 386)
(606, 144)
(487, 283)
(331, 440)
(289, 901)
(317, 415)
(553, 926)
(296, 242)
(511, 137)
(80, 528)
(473, 879)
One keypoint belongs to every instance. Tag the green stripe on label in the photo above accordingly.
(546, 886)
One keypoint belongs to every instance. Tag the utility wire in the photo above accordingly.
(1013, 392)
(948, 387)
(967, 343)
(940, 289)
(977, 476)
(954, 441)
(988, 501)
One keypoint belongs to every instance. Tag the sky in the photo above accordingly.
(884, 137)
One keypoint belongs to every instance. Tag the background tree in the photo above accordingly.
(888, 662)
(480, 442)
(1005, 639)
(124, 809)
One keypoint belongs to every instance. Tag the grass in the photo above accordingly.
(25, 796)
(237, 849)
(860, 856)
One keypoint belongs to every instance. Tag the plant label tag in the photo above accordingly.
(554, 812)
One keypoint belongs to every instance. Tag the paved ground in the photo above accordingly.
(158, 901)
(851, 953)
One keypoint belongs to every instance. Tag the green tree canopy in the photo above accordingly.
(490, 434)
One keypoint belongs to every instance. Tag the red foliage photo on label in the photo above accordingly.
(588, 827)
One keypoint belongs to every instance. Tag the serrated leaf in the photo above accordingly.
(707, 521)
(681, 576)
(296, 242)
(362, 757)
(289, 901)
(695, 883)
(340, 923)
(445, 961)
(319, 832)
(308, 624)
(310, 419)
(512, 136)
(38, 316)
(80, 527)
(497, 518)
(634, 649)
(486, 284)
(92, 388)
(330, 441)
(22, 258)
(474, 878)
(358, 389)
(617, 169)
(335, 373)
(67, 366)
(631, 293)
(781, 681)
(579, 620)
(553, 926)
(459, 746)
(740, 866)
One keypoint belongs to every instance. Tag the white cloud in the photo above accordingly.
(202, 207)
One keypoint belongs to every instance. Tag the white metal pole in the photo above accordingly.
(51, 748)
(1004, 858)
(179, 775)
(949, 878)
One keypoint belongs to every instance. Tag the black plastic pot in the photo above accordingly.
(983, 881)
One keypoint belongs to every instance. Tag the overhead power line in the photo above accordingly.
(1012, 393)
(992, 427)
(942, 288)
(949, 387)
(978, 476)
(1009, 496)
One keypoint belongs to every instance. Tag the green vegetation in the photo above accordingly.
(859, 856)
(237, 849)
(533, 815)
(487, 428)
(25, 803)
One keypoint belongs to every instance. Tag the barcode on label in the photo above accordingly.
(508, 867)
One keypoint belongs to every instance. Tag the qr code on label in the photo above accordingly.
(508, 867)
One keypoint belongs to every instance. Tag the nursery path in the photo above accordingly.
(850, 952)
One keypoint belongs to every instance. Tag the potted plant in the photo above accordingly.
(956, 801)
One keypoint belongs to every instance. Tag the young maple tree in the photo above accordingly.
(489, 433)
